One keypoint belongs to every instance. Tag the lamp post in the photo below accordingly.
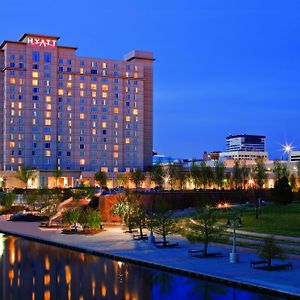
(234, 256)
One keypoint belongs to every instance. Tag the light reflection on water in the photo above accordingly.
(30, 270)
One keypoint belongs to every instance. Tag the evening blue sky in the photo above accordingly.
(222, 67)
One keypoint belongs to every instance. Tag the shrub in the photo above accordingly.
(282, 192)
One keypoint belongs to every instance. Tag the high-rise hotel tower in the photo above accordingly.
(62, 111)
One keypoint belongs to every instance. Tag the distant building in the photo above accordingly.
(243, 155)
(245, 142)
(295, 155)
(214, 155)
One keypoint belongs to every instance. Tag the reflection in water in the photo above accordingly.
(30, 270)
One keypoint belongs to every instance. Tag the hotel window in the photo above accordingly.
(47, 57)
(48, 114)
(81, 93)
(135, 75)
(69, 85)
(94, 72)
(94, 94)
(104, 124)
(127, 140)
(48, 106)
(69, 61)
(48, 98)
(12, 80)
(104, 95)
(116, 125)
(48, 153)
(104, 87)
(81, 85)
(47, 137)
(93, 86)
(135, 111)
(35, 82)
(127, 118)
(35, 56)
(104, 65)
(94, 131)
(35, 74)
(70, 77)
(81, 71)
(11, 144)
(47, 122)
(93, 64)
(81, 63)
(60, 92)
(116, 147)
(116, 110)
(81, 116)
(116, 154)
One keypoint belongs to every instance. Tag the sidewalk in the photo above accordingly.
(113, 242)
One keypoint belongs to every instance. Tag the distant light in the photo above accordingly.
(287, 148)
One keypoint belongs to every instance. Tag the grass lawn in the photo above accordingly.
(274, 219)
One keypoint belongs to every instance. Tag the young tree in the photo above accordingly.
(130, 208)
(280, 170)
(137, 176)
(282, 192)
(101, 178)
(206, 174)
(237, 174)
(123, 179)
(180, 175)
(195, 174)
(219, 173)
(57, 174)
(157, 174)
(269, 250)
(25, 174)
(245, 172)
(163, 222)
(203, 227)
(298, 172)
(293, 182)
(70, 216)
(260, 175)
(172, 174)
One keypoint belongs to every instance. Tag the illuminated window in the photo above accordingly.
(21, 81)
(116, 110)
(69, 93)
(81, 116)
(12, 160)
(127, 141)
(126, 74)
(136, 90)
(70, 77)
(11, 144)
(20, 160)
(81, 93)
(19, 105)
(33, 121)
(69, 123)
(93, 86)
(81, 85)
(35, 74)
(94, 123)
(103, 124)
(35, 82)
(48, 98)
(116, 147)
(116, 154)
(47, 137)
(104, 169)
(136, 68)
(104, 65)
(48, 114)
(104, 87)
(127, 118)
(60, 92)
(135, 75)
(135, 111)
(104, 95)
(94, 94)
(47, 122)
(81, 162)
(116, 125)
(69, 85)
(59, 138)
(116, 170)
(69, 108)
(94, 131)
(81, 70)
(12, 80)
(48, 106)
(47, 153)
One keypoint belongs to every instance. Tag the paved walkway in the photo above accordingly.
(113, 241)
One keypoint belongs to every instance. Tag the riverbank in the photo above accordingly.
(115, 244)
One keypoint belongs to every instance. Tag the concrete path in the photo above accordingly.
(113, 241)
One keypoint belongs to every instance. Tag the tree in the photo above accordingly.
(245, 172)
(269, 250)
(207, 174)
(123, 179)
(130, 208)
(237, 174)
(280, 169)
(180, 174)
(219, 173)
(171, 174)
(202, 227)
(298, 172)
(157, 174)
(7, 199)
(195, 174)
(260, 175)
(282, 192)
(163, 222)
(293, 182)
(57, 174)
(137, 176)
(101, 178)
(25, 174)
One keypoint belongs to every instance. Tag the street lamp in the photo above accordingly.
(287, 148)
(234, 256)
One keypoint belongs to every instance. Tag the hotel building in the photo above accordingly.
(63, 111)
